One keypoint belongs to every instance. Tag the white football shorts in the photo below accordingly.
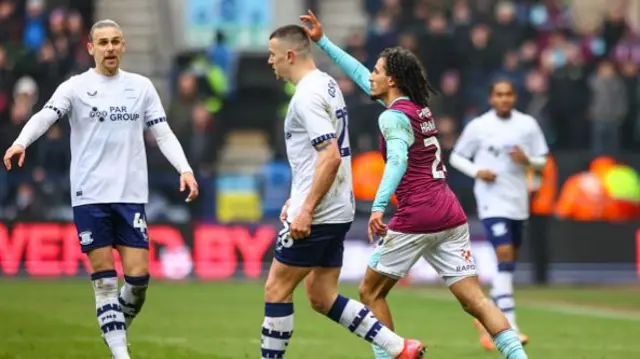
(448, 252)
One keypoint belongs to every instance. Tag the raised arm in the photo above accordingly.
(347, 63)
(398, 136)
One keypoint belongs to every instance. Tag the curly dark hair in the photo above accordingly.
(409, 74)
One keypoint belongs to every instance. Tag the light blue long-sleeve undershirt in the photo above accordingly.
(394, 125)
(398, 135)
(348, 64)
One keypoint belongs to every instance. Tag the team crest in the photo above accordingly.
(86, 238)
(466, 255)
(332, 88)
(499, 229)
(424, 113)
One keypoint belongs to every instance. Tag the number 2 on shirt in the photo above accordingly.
(342, 115)
(436, 173)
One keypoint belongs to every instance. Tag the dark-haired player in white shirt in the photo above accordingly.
(320, 210)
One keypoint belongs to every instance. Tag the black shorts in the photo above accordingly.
(501, 231)
(104, 225)
(324, 247)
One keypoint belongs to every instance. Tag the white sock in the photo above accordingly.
(277, 329)
(502, 295)
(354, 316)
(109, 313)
(132, 296)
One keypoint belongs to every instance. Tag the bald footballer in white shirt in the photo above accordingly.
(319, 213)
(108, 110)
(502, 143)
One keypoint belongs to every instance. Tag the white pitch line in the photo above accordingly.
(582, 310)
(583, 347)
(96, 339)
(191, 343)
(560, 308)
(155, 339)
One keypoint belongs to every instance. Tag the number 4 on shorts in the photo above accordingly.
(139, 222)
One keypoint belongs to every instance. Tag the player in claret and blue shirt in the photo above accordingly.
(429, 221)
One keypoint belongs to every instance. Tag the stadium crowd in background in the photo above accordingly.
(576, 70)
(42, 43)
(580, 82)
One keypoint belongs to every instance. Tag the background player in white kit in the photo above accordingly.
(108, 110)
(502, 143)
(321, 208)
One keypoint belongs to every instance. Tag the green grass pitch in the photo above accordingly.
(56, 320)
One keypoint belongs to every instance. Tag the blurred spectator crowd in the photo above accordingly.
(579, 79)
(42, 43)
(581, 83)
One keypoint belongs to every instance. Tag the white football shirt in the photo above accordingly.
(487, 140)
(107, 117)
(317, 112)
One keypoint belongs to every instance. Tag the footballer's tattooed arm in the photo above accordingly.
(323, 145)
(324, 175)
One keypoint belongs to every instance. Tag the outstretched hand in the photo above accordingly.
(14, 151)
(188, 180)
(312, 26)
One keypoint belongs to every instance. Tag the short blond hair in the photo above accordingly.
(101, 25)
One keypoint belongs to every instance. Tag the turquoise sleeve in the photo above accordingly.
(398, 136)
(347, 63)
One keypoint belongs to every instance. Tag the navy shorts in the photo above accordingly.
(500, 231)
(322, 248)
(104, 225)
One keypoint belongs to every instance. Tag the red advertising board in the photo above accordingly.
(217, 252)
(52, 249)
(206, 252)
